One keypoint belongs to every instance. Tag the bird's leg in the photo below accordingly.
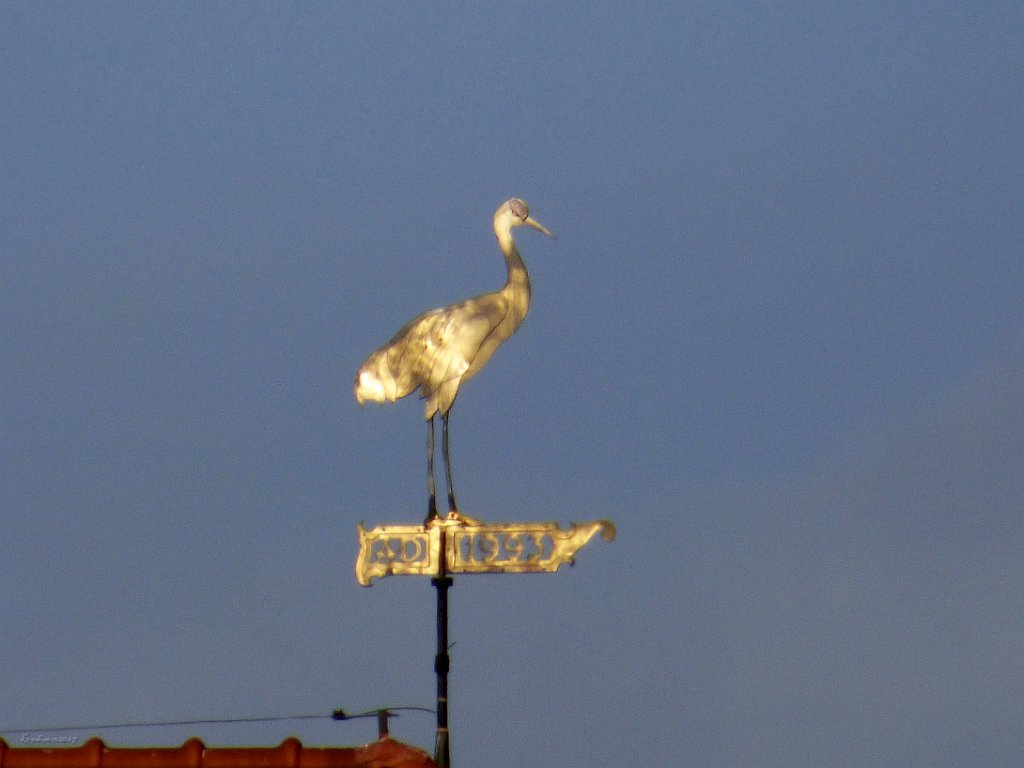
(432, 506)
(452, 506)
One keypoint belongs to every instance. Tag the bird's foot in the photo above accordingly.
(432, 512)
(454, 514)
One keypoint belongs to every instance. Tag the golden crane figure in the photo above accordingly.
(439, 350)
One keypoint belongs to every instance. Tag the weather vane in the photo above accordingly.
(435, 353)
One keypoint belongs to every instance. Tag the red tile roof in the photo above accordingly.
(386, 753)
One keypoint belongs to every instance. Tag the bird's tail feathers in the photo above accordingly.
(376, 383)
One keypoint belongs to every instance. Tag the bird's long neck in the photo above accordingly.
(517, 286)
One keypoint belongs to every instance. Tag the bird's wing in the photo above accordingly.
(433, 352)
(443, 344)
(397, 367)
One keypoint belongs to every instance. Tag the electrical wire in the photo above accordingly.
(337, 714)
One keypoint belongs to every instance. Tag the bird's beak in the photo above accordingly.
(538, 226)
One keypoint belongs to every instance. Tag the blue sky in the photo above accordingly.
(777, 341)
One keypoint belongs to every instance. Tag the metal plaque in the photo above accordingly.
(474, 547)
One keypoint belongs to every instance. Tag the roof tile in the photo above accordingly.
(290, 753)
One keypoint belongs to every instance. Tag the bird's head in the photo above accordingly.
(515, 213)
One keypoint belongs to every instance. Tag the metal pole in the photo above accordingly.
(442, 661)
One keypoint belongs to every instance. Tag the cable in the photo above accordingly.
(337, 714)
(340, 714)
